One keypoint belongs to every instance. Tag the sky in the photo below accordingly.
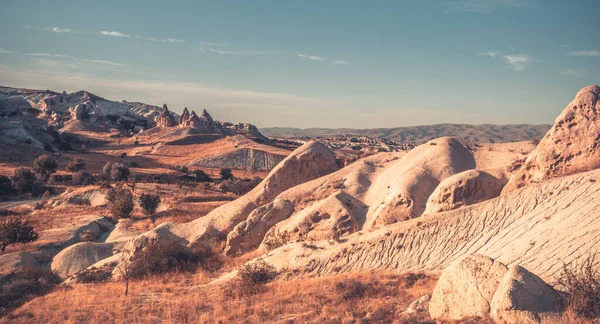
(312, 63)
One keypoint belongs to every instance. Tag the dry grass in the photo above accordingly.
(185, 299)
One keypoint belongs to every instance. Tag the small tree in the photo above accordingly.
(44, 165)
(76, 165)
(201, 176)
(16, 231)
(124, 269)
(184, 169)
(226, 174)
(82, 178)
(115, 171)
(121, 202)
(149, 203)
(5, 185)
(23, 180)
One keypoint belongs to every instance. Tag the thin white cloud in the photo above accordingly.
(311, 57)
(517, 62)
(74, 58)
(585, 53)
(340, 62)
(487, 6)
(152, 39)
(5, 51)
(491, 54)
(214, 44)
(218, 51)
(61, 30)
(114, 34)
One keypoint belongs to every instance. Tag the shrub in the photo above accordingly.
(94, 275)
(115, 171)
(123, 155)
(238, 186)
(133, 164)
(169, 256)
(120, 201)
(252, 278)
(226, 174)
(59, 178)
(82, 178)
(201, 176)
(351, 290)
(16, 231)
(184, 169)
(44, 165)
(23, 180)
(581, 285)
(5, 185)
(26, 282)
(149, 203)
(76, 165)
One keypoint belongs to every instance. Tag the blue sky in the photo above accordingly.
(364, 64)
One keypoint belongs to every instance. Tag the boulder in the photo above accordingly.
(466, 288)
(79, 256)
(522, 297)
(462, 189)
(571, 146)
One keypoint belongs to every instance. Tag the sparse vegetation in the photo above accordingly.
(238, 186)
(201, 176)
(82, 178)
(27, 282)
(581, 284)
(168, 256)
(120, 202)
(16, 231)
(76, 165)
(251, 278)
(149, 203)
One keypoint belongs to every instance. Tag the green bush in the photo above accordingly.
(44, 165)
(120, 202)
(23, 180)
(115, 171)
(76, 165)
(149, 203)
(16, 231)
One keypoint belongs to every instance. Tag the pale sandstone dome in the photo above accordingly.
(462, 189)
(572, 145)
(79, 256)
(480, 286)
(310, 161)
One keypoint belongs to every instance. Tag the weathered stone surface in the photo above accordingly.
(572, 145)
(466, 288)
(80, 256)
(522, 297)
(462, 189)
(248, 234)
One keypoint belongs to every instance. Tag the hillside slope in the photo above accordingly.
(485, 133)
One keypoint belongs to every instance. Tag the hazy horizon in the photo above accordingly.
(311, 64)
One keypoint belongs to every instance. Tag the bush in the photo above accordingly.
(76, 165)
(184, 169)
(59, 178)
(16, 231)
(82, 178)
(201, 176)
(251, 279)
(20, 286)
(121, 202)
(94, 275)
(238, 186)
(48, 147)
(5, 185)
(351, 290)
(44, 165)
(581, 285)
(23, 180)
(168, 256)
(149, 203)
(115, 171)
(226, 174)
(65, 146)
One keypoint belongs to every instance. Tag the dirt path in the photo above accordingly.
(18, 203)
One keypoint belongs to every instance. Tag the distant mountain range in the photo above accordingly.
(485, 133)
